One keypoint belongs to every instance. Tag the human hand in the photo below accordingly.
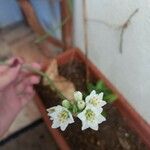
(15, 90)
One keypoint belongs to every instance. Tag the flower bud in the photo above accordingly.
(78, 96)
(80, 104)
(66, 103)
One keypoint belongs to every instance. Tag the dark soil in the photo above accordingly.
(113, 134)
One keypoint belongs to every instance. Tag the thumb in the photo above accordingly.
(9, 74)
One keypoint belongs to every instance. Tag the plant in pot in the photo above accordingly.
(90, 118)
(75, 96)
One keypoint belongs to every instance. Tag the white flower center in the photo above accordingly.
(63, 116)
(90, 115)
(94, 101)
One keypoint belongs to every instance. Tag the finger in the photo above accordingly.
(30, 68)
(3, 68)
(26, 97)
(34, 79)
(10, 63)
(9, 76)
(29, 90)
(28, 72)
(15, 61)
(27, 81)
(20, 86)
(36, 66)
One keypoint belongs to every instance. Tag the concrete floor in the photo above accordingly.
(37, 138)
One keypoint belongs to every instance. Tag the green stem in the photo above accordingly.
(50, 82)
(44, 75)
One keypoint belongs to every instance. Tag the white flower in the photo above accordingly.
(95, 99)
(91, 117)
(61, 117)
(78, 96)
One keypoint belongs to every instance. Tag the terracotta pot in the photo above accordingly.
(133, 119)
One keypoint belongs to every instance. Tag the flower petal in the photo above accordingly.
(94, 126)
(55, 124)
(63, 126)
(87, 99)
(81, 116)
(102, 103)
(84, 126)
(51, 109)
(100, 96)
(71, 120)
(93, 93)
(101, 118)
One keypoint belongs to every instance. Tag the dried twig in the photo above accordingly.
(118, 27)
(109, 25)
(50, 32)
(123, 28)
(121, 40)
(86, 39)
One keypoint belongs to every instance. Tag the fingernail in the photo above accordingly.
(15, 63)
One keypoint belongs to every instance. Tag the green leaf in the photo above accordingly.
(104, 113)
(90, 87)
(110, 98)
(100, 85)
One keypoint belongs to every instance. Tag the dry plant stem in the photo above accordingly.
(50, 32)
(121, 40)
(109, 25)
(44, 75)
(85, 39)
(123, 27)
(70, 4)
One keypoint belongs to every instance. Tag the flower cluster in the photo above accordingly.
(89, 111)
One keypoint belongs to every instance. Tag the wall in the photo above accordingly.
(47, 11)
(129, 71)
(9, 12)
